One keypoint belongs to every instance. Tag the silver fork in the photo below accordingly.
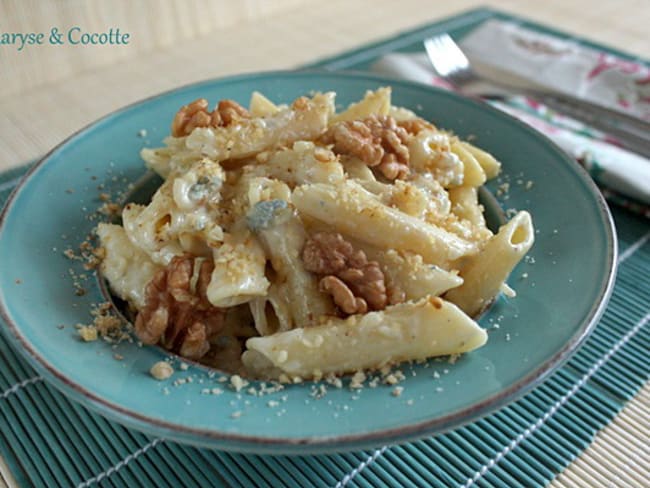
(449, 61)
(451, 64)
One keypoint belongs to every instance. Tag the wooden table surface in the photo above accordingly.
(48, 92)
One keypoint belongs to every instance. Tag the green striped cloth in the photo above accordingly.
(48, 440)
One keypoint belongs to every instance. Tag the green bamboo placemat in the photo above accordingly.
(48, 440)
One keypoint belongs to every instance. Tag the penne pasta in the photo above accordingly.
(272, 313)
(484, 273)
(351, 209)
(405, 272)
(127, 268)
(304, 121)
(401, 114)
(408, 273)
(239, 270)
(303, 163)
(490, 165)
(409, 331)
(283, 236)
(464, 204)
(473, 174)
(357, 169)
(430, 153)
(373, 103)
(182, 216)
(260, 106)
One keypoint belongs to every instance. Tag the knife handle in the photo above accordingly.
(632, 133)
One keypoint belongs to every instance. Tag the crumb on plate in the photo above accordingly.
(161, 370)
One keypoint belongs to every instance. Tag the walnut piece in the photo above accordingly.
(177, 313)
(414, 126)
(367, 282)
(196, 114)
(378, 141)
(300, 103)
(328, 253)
(342, 295)
(355, 284)
(229, 111)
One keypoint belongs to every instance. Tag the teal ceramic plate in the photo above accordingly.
(562, 286)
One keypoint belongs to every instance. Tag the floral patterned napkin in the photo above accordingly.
(560, 64)
(564, 65)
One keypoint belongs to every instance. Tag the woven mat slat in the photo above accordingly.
(45, 456)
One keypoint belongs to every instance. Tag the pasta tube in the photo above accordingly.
(405, 272)
(401, 114)
(465, 205)
(260, 106)
(485, 272)
(408, 331)
(352, 210)
(181, 217)
(238, 274)
(431, 152)
(127, 268)
(410, 274)
(357, 169)
(283, 237)
(473, 174)
(272, 312)
(490, 165)
(373, 103)
(464, 201)
(301, 164)
(304, 121)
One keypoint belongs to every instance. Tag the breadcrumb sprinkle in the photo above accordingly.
(88, 333)
(161, 370)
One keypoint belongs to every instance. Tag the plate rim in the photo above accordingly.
(330, 443)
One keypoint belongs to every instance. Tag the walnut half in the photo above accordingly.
(196, 114)
(378, 141)
(177, 313)
(355, 284)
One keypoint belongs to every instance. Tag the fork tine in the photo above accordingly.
(445, 55)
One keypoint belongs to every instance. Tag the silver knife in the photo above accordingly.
(633, 134)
